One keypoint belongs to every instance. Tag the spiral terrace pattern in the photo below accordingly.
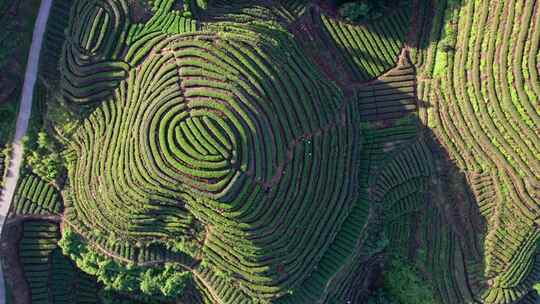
(216, 126)
(94, 40)
(237, 131)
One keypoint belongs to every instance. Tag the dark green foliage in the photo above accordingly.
(381, 297)
(364, 10)
(358, 11)
(35, 196)
(202, 71)
(3, 165)
(402, 282)
(8, 113)
(55, 36)
(109, 297)
(51, 276)
(17, 22)
(9, 39)
(39, 240)
(16, 33)
(536, 285)
(68, 285)
(9, 294)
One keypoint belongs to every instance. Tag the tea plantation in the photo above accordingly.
(281, 151)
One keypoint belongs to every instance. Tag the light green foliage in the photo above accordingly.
(5, 154)
(202, 4)
(169, 281)
(447, 40)
(61, 117)
(42, 156)
(41, 149)
(166, 282)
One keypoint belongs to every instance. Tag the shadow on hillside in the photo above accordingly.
(450, 218)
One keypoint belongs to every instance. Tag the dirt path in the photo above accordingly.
(22, 121)
(208, 287)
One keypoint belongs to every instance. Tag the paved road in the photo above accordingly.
(22, 121)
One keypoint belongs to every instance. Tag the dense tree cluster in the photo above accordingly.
(365, 10)
(166, 282)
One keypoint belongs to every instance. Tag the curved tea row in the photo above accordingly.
(94, 40)
(225, 129)
(484, 97)
(367, 50)
(35, 196)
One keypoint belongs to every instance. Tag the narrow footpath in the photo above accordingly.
(25, 109)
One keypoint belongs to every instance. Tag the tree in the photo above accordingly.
(169, 282)
(175, 284)
(149, 283)
(364, 10)
(402, 282)
(355, 11)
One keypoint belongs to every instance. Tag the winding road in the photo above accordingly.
(25, 109)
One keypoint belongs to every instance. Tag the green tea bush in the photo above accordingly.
(35, 196)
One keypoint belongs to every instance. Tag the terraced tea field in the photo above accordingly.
(281, 151)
